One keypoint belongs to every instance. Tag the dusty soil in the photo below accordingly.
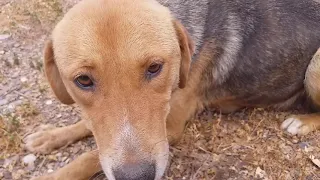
(244, 145)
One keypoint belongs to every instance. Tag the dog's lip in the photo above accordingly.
(97, 174)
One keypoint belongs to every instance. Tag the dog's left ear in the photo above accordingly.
(53, 75)
(187, 50)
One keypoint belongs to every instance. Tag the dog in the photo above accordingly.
(139, 69)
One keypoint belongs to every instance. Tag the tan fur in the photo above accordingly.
(81, 168)
(123, 99)
(47, 139)
(312, 79)
(53, 75)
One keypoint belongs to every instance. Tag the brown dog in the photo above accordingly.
(138, 74)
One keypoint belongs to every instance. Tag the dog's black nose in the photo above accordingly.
(138, 171)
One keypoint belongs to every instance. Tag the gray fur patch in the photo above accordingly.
(192, 14)
(232, 46)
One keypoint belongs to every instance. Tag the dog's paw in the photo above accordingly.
(296, 126)
(44, 141)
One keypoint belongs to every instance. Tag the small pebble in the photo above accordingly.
(7, 175)
(295, 141)
(59, 154)
(23, 79)
(260, 173)
(11, 106)
(50, 165)
(48, 102)
(62, 164)
(10, 161)
(4, 36)
(75, 149)
(30, 158)
(29, 161)
(3, 102)
(303, 145)
(18, 174)
(52, 158)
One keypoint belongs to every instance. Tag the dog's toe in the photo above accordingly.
(43, 141)
(295, 126)
(39, 142)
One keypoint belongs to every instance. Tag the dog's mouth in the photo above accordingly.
(100, 175)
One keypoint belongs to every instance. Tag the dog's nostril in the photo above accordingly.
(138, 171)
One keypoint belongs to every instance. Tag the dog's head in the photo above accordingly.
(120, 60)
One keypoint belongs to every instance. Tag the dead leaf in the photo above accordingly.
(315, 161)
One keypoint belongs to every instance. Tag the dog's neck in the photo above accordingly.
(192, 15)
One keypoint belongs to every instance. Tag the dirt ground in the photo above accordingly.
(244, 145)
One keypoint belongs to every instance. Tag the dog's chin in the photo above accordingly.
(160, 159)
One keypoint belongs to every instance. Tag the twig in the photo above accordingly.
(255, 128)
(202, 149)
(19, 93)
(197, 172)
(41, 164)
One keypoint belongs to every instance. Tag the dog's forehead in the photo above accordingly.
(119, 31)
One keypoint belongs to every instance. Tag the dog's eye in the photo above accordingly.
(154, 69)
(84, 81)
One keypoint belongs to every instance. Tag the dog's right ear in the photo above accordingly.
(187, 50)
(53, 75)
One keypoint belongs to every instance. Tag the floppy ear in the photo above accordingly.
(187, 50)
(53, 75)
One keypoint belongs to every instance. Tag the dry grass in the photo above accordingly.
(11, 124)
(9, 137)
(27, 110)
(243, 145)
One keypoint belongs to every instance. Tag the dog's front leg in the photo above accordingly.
(48, 138)
(184, 104)
(81, 168)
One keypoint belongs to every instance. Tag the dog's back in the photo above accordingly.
(260, 49)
